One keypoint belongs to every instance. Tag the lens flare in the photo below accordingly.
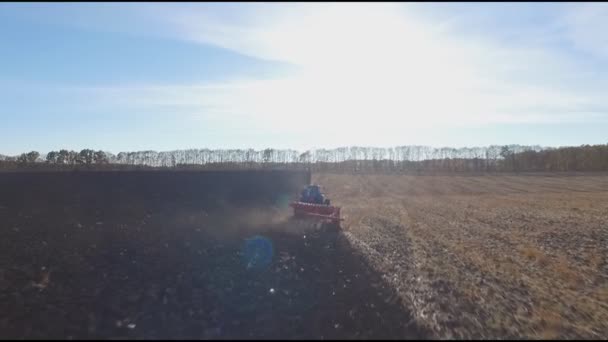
(258, 252)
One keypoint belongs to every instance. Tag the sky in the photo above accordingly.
(167, 76)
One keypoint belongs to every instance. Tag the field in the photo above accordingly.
(191, 254)
(486, 256)
(186, 255)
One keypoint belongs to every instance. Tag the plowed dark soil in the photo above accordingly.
(146, 269)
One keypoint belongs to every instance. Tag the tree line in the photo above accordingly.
(62, 157)
(403, 159)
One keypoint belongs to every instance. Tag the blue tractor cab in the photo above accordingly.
(312, 194)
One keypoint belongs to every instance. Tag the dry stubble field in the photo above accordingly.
(492, 256)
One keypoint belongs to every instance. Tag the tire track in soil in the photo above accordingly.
(564, 185)
(506, 186)
(481, 185)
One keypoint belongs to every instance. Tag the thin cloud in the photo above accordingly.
(383, 62)
(376, 67)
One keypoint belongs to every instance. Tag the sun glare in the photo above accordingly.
(363, 66)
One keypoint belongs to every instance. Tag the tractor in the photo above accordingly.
(313, 204)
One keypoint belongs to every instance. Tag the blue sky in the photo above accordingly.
(165, 76)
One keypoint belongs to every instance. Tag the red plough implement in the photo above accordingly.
(321, 211)
(313, 204)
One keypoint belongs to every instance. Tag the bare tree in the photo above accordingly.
(52, 157)
(100, 157)
(86, 156)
